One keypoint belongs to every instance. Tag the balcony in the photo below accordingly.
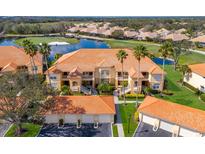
(120, 77)
(87, 76)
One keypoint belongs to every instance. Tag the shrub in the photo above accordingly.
(202, 96)
(149, 90)
(65, 90)
(167, 92)
(136, 116)
(105, 88)
(134, 95)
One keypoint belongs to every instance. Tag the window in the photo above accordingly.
(78, 123)
(53, 77)
(35, 68)
(105, 73)
(156, 86)
(75, 83)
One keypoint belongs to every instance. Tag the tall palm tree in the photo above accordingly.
(29, 50)
(165, 50)
(45, 51)
(184, 69)
(140, 51)
(121, 56)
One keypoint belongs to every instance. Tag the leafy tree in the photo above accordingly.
(185, 70)
(179, 48)
(165, 50)
(118, 34)
(140, 51)
(121, 56)
(45, 51)
(22, 98)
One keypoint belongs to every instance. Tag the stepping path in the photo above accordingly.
(118, 121)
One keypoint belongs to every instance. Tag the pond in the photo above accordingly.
(84, 43)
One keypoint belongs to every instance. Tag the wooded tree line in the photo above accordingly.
(44, 25)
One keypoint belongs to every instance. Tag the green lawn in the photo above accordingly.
(181, 95)
(125, 111)
(192, 58)
(115, 131)
(31, 130)
(38, 40)
(132, 43)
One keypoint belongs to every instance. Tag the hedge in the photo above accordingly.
(192, 88)
(134, 95)
(167, 92)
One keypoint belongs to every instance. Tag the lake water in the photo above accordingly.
(84, 43)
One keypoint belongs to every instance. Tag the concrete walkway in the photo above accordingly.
(197, 51)
(119, 120)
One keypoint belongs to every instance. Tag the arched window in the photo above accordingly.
(75, 83)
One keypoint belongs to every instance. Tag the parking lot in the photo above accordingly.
(70, 130)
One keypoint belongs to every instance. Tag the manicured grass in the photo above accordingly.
(131, 44)
(125, 111)
(192, 58)
(38, 40)
(31, 130)
(115, 131)
(182, 95)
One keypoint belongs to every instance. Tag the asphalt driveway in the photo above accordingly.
(146, 130)
(70, 130)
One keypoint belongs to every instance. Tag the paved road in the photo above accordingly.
(4, 128)
(198, 51)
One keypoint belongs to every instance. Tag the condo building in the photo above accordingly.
(13, 59)
(91, 67)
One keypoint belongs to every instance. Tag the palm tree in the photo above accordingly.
(45, 51)
(31, 50)
(184, 69)
(165, 50)
(122, 55)
(140, 51)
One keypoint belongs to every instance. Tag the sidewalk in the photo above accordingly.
(118, 121)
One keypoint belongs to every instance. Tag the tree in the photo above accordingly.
(22, 98)
(118, 34)
(121, 56)
(105, 87)
(30, 49)
(140, 51)
(184, 69)
(165, 50)
(45, 51)
(179, 48)
(65, 90)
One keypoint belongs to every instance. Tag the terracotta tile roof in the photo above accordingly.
(177, 37)
(89, 59)
(174, 113)
(198, 69)
(199, 39)
(10, 67)
(17, 56)
(83, 105)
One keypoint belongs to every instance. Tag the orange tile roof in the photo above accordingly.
(89, 59)
(199, 39)
(198, 69)
(83, 105)
(17, 56)
(175, 113)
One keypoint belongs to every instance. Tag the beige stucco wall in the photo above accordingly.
(195, 80)
(185, 132)
(73, 118)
